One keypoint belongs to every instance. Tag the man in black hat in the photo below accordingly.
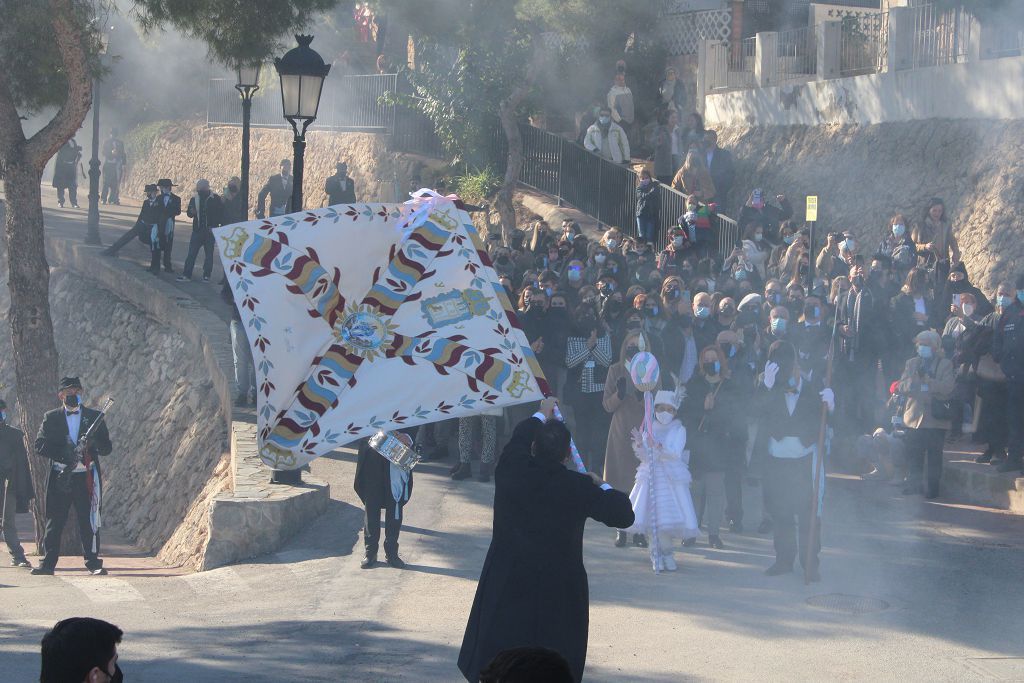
(339, 187)
(279, 187)
(15, 485)
(171, 204)
(60, 440)
(114, 161)
(146, 226)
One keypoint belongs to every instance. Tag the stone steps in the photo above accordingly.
(978, 484)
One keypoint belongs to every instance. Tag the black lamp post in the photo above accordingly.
(92, 232)
(302, 71)
(248, 83)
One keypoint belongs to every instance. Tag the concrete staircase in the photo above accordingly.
(966, 481)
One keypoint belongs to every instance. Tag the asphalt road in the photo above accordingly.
(925, 591)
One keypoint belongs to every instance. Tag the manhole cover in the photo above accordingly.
(848, 604)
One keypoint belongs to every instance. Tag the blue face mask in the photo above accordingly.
(741, 274)
(1003, 301)
(3, 416)
(924, 351)
(792, 382)
(898, 230)
(703, 312)
(1020, 295)
(788, 239)
(604, 120)
(778, 326)
(574, 276)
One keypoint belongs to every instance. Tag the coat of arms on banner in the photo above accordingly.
(366, 317)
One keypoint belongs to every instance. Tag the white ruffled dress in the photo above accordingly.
(667, 482)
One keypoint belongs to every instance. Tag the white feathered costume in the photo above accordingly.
(667, 480)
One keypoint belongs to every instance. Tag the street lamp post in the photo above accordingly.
(302, 71)
(92, 231)
(248, 83)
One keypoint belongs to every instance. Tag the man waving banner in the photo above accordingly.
(368, 317)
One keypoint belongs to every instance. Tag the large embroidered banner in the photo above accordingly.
(371, 316)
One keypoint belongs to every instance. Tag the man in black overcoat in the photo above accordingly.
(61, 430)
(790, 419)
(382, 487)
(171, 204)
(15, 486)
(339, 187)
(533, 588)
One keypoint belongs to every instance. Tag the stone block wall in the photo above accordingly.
(864, 174)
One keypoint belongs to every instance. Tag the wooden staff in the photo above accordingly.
(820, 460)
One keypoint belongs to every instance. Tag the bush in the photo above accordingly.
(477, 186)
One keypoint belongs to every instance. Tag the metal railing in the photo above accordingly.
(797, 54)
(596, 186)
(862, 43)
(730, 66)
(350, 103)
(940, 36)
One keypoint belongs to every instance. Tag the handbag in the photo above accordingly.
(942, 409)
(989, 370)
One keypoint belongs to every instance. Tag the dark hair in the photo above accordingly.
(935, 201)
(73, 647)
(552, 441)
(527, 665)
(783, 354)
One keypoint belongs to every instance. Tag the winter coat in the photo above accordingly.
(1008, 342)
(648, 204)
(717, 437)
(695, 182)
(533, 587)
(65, 168)
(618, 143)
(937, 384)
(14, 467)
(627, 414)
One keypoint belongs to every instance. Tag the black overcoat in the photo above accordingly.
(373, 477)
(52, 440)
(533, 588)
(14, 466)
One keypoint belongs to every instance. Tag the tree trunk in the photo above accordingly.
(507, 109)
(35, 353)
(22, 160)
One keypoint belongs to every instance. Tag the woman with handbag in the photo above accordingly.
(992, 427)
(928, 384)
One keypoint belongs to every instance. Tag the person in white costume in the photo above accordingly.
(661, 496)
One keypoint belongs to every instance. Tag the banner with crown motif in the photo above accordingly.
(366, 317)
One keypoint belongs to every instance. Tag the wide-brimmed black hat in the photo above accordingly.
(151, 187)
(165, 182)
(70, 383)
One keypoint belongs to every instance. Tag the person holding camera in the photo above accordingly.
(60, 440)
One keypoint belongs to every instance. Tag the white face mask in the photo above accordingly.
(664, 417)
(968, 310)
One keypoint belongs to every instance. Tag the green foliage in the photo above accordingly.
(139, 141)
(233, 30)
(29, 55)
(475, 187)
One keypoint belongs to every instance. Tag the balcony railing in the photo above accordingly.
(863, 42)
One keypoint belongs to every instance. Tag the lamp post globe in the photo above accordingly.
(247, 84)
(302, 71)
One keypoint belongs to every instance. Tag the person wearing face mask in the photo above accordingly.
(811, 338)
(231, 198)
(778, 324)
(897, 246)
(956, 285)
(171, 204)
(756, 249)
(588, 356)
(1008, 351)
(992, 425)
(927, 382)
(718, 434)
(146, 228)
(607, 138)
(705, 327)
(790, 416)
(207, 212)
(81, 650)
(913, 310)
(15, 486)
(768, 215)
(676, 251)
(339, 187)
(625, 403)
(557, 327)
(648, 207)
(958, 341)
(58, 436)
(279, 188)
(662, 503)
(616, 261)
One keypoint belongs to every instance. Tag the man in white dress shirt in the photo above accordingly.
(59, 435)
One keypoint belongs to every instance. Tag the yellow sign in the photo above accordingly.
(812, 209)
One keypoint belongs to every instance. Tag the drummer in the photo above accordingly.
(382, 487)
